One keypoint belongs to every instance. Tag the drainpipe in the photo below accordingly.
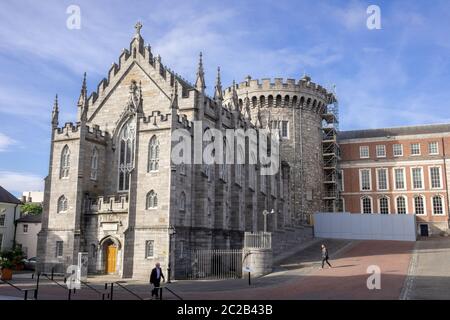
(15, 226)
(446, 179)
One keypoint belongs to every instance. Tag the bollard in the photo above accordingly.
(249, 281)
(112, 291)
(37, 286)
(160, 293)
(26, 295)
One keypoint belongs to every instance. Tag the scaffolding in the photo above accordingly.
(331, 156)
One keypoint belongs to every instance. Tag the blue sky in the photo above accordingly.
(399, 75)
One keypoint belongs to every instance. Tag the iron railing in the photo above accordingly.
(215, 264)
(260, 240)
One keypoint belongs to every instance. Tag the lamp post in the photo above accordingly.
(171, 231)
(265, 213)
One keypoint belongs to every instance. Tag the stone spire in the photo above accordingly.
(83, 101)
(55, 113)
(234, 97)
(218, 96)
(174, 98)
(200, 82)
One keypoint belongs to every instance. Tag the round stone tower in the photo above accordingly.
(296, 109)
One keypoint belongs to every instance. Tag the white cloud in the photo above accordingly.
(5, 142)
(17, 182)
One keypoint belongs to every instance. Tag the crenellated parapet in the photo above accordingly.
(109, 204)
(281, 93)
(93, 133)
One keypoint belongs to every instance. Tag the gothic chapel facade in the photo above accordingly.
(112, 190)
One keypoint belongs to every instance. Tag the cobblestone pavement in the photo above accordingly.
(298, 277)
(429, 274)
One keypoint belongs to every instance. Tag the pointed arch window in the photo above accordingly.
(182, 201)
(239, 166)
(153, 154)
(65, 162)
(94, 164)
(62, 204)
(152, 200)
(126, 155)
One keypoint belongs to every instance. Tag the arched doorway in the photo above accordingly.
(110, 255)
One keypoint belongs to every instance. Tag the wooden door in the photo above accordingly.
(111, 258)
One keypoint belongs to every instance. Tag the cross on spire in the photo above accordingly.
(138, 28)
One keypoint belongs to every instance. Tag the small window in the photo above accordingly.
(397, 150)
(25, 228)
(62, 204)
(399, 178)
(381, 151)
(94, 164)
(152, 200)
(417, 178)
(382, 179)
(65, 163)
(401, 205)
(182, 201)
(2, 219)
(366, 204)
(285, 129)
(437, 205)
(59, 249)
(435, 177)
(433, 148)
(384, 205)
(365, 179)
(415, 149)
(149, 248)
(419, 206)
(363, 152)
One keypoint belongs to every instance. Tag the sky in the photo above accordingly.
(393, 76)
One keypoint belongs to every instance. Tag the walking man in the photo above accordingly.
(325, 256)
(155, 279)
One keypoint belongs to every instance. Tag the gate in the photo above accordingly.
(215, 264)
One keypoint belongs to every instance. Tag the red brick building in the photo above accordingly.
(402, 170)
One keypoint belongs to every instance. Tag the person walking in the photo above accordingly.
(155, 279)
(325, 256)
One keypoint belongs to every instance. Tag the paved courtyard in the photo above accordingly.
(409, 270)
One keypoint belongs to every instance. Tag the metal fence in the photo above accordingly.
(215, 264)
(259, 240)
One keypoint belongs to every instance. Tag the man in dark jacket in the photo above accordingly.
(325, 256)
(155, 279)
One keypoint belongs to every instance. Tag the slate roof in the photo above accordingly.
(30, 218)
(396, 131)
(7, 197)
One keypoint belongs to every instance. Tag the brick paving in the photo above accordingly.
(298, 277)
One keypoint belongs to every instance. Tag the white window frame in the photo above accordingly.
(406, 203)
(380, 147)
(94, 164)
(421, 178)
(388, 204)
(395, 180)
(361, 148)
(437, 148)
(57, 255)
(149, 201)
(440, 177)
(378, 180)
(443, 205)
(424, 199)
(401, 149)
(25, 228)
(360, 179)
(362, 205)
(411, 149)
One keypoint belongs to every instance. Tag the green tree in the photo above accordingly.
(31, 208)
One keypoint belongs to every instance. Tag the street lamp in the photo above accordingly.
(265, 213)
(171, 231)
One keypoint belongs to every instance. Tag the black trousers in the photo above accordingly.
(325, 260)
(155, 291)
